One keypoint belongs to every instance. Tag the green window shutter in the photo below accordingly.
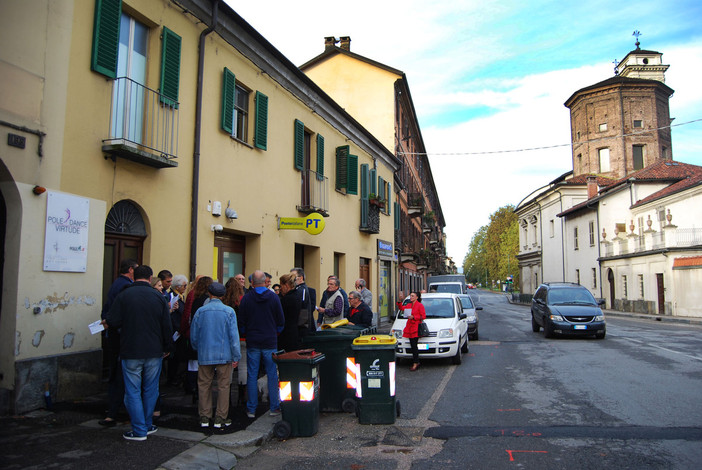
(299, 145)
(352, 180)
(106, 37)
(228, 92)
(397, 216)
(381, 188)
(389, 198)
(170, 67)
(366, 175)
(373, 189)
(261, 128)
(342, 156)
(365, 207)
(320, 156)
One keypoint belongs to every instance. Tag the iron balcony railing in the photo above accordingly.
(314, 191)
(143, 118)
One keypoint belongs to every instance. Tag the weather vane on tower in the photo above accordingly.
(637, 34)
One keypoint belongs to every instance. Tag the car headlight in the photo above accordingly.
(447, 333)
(556, 317)
(397, 333)
(599, 318)
(470, 318)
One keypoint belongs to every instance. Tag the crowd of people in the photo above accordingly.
(204, 332)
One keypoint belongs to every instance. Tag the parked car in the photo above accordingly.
(470, 309)
(448, 329)
(567, 309)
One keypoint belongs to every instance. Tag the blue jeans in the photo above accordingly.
(253, 362)
(141, 391)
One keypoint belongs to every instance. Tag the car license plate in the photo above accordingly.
(423, 347)
(580, 327)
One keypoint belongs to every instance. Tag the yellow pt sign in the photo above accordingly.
(312, 224)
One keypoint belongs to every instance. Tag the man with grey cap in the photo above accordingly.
(215, 336)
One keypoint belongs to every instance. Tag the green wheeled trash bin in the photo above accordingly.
(298, 383)
(375, 374)
(337, 372)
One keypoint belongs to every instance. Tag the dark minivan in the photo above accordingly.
(568, 309)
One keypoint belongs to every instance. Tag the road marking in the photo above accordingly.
(511, 452)
(662, 348)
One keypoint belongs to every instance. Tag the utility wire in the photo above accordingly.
(530, 149)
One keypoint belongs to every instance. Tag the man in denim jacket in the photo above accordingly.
(215, 336)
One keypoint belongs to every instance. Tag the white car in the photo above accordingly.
(448, 329)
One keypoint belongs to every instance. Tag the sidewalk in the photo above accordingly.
(68, 435)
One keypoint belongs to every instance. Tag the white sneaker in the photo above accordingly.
(275, 412)
(250, 415)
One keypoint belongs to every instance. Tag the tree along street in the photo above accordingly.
(628, 401)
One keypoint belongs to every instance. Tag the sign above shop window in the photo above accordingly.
(385, 249)
(312, 224)
(66, 237)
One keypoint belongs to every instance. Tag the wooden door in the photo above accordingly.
(661, 293)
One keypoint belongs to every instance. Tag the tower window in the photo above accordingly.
(638, 124)
(638, 151)
(603, 127)
(604, 160)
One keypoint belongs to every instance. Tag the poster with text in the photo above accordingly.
(66, 240)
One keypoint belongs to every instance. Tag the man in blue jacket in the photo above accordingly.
(215, 336)
(261, 320)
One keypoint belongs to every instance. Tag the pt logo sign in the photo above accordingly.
(312, 224)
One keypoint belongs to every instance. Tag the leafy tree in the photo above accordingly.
(494, 248)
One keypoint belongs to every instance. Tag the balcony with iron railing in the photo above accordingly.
(143, 125)
(314, 193)
(370, 217)
(670, 237)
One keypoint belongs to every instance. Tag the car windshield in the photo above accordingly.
(439, 308)
(570, 296)
(466, 302)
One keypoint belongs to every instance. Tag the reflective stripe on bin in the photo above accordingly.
(306, 391)
(351, 373)
(285, 391)
(359, 394)
(391, 369)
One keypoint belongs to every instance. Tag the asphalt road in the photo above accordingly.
(521, 401)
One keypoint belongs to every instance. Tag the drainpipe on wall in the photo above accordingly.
(196, 151)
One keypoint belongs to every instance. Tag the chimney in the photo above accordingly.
(591, 186)
(345, 42)
(329, 42)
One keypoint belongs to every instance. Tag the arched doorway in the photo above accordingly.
(125, 232)
(610, 279)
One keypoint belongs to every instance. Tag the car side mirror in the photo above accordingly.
(478, 308)
(462, 316)
(601, 302)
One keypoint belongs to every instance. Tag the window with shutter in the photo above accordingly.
(228, 90)
(373, 188)
(320, 157)
(342, 156)
(170, 67)
(106, 37)
(261, 130)
(299, 150)
(365, 176)
(352, 171)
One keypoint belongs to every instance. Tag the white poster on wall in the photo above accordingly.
(66, 239)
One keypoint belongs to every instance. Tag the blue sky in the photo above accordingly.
(489, 76)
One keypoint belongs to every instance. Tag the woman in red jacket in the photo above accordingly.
(411, 330)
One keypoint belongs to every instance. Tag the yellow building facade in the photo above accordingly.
(173, 133)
